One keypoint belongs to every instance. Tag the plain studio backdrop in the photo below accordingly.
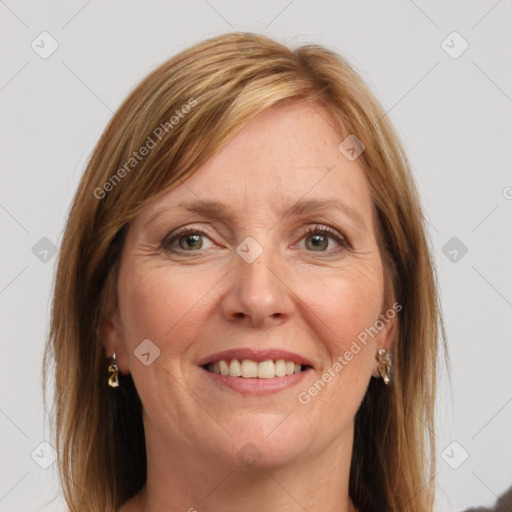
(442, 71)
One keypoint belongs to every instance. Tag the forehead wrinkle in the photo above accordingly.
(217, 209)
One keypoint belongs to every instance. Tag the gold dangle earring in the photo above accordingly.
(113, 371)
(385, 365)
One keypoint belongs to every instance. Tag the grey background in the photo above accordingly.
(454, 116)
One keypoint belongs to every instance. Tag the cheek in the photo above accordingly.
(340, 308)
(344, 306)
(162, 305)
(166, 307)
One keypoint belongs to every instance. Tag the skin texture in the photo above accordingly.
(313, 301)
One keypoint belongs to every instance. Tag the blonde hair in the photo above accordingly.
(226, 81)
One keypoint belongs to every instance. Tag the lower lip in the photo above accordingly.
(255, 386)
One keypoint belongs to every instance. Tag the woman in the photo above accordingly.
(245, 313)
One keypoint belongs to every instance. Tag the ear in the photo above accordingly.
(387, 334)
(112, 338)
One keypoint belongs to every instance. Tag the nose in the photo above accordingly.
(258, 295)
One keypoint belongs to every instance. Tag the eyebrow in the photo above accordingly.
(301, 207)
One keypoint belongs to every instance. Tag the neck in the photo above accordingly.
(178, 480)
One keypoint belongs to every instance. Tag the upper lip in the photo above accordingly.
(254, 355)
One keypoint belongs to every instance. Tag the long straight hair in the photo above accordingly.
(225, 82)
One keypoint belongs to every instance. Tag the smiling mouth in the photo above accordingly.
(249, 369)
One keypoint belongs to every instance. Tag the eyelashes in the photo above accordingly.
(191, 240)
(325, 232)
(191, 234)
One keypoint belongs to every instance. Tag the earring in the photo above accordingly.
(113, 371)
(385, 365)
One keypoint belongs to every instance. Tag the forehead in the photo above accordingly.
(286, 154)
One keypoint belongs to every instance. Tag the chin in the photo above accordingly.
(273, 442)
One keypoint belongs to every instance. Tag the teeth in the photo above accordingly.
(266, 370)
(249, 368)
(235, 368)
(224, 370)
(280, 368)
(252, 369)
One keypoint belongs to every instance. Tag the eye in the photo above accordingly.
(318, 238)
(186, 240)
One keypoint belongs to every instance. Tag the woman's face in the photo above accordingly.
(257, 275)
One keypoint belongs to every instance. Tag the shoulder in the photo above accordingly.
(504, 504)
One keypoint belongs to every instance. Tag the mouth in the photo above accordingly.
(249, 369)
(253, 364)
